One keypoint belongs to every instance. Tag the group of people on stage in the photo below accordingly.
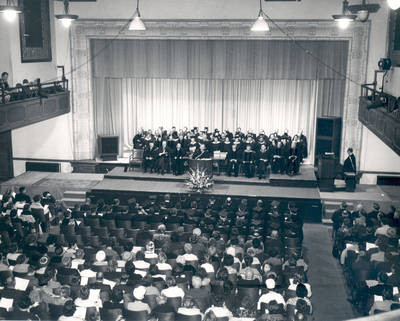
(257, 154)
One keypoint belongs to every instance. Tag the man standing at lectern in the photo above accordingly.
(350, 171)
(350, 162)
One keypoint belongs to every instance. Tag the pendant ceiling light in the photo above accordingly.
(261, 23)
(66, 18)
(137, 23)
(394, 4)
(364, 9)
(345, 18)
(10, 10)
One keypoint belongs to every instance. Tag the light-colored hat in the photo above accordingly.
(197, 231)
(127, 256)
(270, 284)
(139, 292)
(231, 251)
(100, 256)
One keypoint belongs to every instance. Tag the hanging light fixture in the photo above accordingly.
(137, 23)
(393, 4)
(261, 23)
(66, 18)
(364, 9)
(345, 18)
(10, 10)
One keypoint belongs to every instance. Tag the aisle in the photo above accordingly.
(325, 275)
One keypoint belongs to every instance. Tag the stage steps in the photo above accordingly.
(70, 198)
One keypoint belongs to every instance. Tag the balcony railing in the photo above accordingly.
(25, 105)
(380, 113)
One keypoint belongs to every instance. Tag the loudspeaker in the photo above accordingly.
(328, 138)
(108, 147)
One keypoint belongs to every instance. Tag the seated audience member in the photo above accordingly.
(68, 312)
(21, 196)
(301, 294)
(270, 295)
(138, 304)
(189, 308)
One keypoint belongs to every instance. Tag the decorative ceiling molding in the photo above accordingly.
(83, 31)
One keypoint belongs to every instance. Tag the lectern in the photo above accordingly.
(327, 171)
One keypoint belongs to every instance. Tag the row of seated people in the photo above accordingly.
(367, 246)
(88, 267)
(26, 89)
(256, 154)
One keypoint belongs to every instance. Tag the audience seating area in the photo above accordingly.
(367, 246)
(160, 259)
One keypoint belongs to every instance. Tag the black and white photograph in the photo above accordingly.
(186, 160)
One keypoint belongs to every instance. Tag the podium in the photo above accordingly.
(327, 171)
(201, 164)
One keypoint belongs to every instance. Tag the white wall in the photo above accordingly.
(47, 139)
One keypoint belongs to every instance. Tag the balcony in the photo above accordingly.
(22, 106)
(380, 113)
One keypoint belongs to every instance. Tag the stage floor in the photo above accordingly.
(306, 178)
(243, 189)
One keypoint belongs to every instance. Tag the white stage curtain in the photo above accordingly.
(252, 84)
(131, 104)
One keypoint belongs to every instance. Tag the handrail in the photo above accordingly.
(21, 92)
(379, 99)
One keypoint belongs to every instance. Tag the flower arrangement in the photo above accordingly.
(199, 180)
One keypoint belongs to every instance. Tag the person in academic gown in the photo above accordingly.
(226, 146)
(285, 155)
(164, 154)
(138, 141)
(149, 157)
(263, 159)
(248, 161)
(276, 162)
(177, 160)
(350, 162)
(201, 153)
(216, 144)
(233, 158)
(293, 160)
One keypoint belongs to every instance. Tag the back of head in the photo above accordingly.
(69, 308)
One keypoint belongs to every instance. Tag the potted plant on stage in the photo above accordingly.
(199, 180)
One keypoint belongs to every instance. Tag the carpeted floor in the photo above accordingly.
(325, 275)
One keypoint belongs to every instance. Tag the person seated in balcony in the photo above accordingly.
(4, 81)
(4, 88)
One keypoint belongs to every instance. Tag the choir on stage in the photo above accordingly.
(238, 152)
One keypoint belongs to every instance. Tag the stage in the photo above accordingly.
(306, 178)
(302, 189)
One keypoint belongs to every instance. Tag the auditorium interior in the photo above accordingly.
(200, 160)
